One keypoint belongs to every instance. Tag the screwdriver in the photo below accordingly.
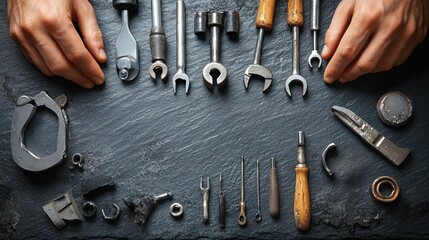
(274, 197)
(221, 204)
(301, 205)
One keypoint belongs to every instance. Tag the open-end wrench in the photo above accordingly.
(206, 194)
(215, 23)
(181, 46)
(264, 22)
(295, 20)
(315, 12)
(157, 43)
(127, 54)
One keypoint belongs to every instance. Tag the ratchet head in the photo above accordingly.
(213, 69)
(158, 67)
(181, 76)
(315, 56)
(296, 78)
(258, 70)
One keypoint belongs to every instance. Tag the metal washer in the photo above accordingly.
(376, 193)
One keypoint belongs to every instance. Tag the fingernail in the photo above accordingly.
(102, 54)
(98, 80)
(325, 49)
(329, 79)
(89, 85)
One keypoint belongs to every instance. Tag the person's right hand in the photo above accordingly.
(45, 32)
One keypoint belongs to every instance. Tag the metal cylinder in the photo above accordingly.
(200, 22)
(125, 4)
(232, 22)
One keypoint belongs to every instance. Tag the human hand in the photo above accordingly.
(45, 32)
(367, 36)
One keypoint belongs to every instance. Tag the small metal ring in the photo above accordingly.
(176, 210)
(114, 216)
(376, 193)
(77, 159)
(88, 209)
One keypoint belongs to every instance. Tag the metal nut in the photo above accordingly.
(383, 181)
(176, 210)
(88, 209)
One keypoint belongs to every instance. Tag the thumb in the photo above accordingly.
(91, 33)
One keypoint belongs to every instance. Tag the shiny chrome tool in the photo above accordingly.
(258, 215)
(181, 46)
(371, 136)
(206, 194)
(314, 27)
(157, 43)
(127, 54)
(215, 71)
(264, 22)
(323, 158)
(25, 109)
(295, 20)
(242, 221)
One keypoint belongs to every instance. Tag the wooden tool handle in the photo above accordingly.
(265, 17)
(274, 198)
(294, 13)
(302, 206)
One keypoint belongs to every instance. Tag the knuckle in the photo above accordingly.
(15, 32)
(346, 54)
(365, 66)
(50, 20)
(57, 68)
(76, 55)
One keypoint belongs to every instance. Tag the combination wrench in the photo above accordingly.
(181, 46)
(157, 43)
(315, 14)
(295, 20)
(206, 194)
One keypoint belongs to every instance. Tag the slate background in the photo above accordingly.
(151, 141)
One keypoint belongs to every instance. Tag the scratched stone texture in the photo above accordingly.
(151, 141)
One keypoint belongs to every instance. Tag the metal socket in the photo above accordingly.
(394, 109)
(232, 22)
(200, 23)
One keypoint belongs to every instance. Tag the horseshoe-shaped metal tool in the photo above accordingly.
(325, 152)
(25, 108)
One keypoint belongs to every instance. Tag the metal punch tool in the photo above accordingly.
(371, 136)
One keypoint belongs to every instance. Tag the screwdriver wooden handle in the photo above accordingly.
(265, 17)
(274, 198)
(294, 13)
(302, 206)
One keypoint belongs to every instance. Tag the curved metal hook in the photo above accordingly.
(325, 152)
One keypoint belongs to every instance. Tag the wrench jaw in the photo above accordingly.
(296, 78)
(213, 68)
(158, 67)
(258, 70)
(181, 76)
(315, 56)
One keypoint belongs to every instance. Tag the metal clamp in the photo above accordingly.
(383, 180)
(25, 108)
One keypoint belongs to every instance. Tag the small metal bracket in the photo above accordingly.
(25, 109)
(62, 208)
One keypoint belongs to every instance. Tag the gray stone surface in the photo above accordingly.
(151, 141)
